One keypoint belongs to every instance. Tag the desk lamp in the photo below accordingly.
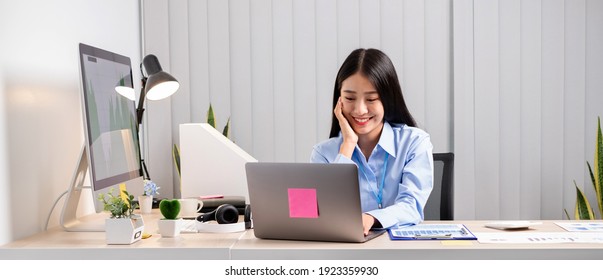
(158, 85)
(124, 89)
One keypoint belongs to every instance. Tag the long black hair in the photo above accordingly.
(380, 71)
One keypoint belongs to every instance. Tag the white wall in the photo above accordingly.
(5, 207)
(270, 66)
(41, 130)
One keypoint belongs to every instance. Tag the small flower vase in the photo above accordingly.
(146, 203)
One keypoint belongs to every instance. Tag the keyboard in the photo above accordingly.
(188, 226)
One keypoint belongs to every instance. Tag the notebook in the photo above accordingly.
(306, 201)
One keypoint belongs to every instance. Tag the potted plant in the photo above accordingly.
(169, 226)
(123, 226)
(583, 209)
(146, 199)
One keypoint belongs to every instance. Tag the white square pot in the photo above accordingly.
(124, 231)
(169, 228)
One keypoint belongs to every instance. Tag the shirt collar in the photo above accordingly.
(386, 141)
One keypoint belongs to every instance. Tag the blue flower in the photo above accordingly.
(150, 188)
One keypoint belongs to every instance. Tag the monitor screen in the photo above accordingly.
(110, 117)
(111, 152)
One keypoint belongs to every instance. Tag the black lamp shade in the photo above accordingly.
(159, 84)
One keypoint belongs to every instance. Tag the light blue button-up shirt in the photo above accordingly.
(408, 178)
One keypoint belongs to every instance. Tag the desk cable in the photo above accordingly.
(53, 206)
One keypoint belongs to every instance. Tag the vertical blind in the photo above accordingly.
(512, 87)
(527, 96)
(270, 67)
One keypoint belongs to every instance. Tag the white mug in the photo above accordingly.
(189, 207)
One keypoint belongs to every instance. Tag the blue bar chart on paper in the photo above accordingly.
(431, 232)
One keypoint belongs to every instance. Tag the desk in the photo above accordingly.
(58, 244)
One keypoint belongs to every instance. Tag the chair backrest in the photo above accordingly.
(440, 205)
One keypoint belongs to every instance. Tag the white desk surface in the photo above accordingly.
(249, 247)
(58, 244)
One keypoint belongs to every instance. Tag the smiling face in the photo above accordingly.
(362, 107)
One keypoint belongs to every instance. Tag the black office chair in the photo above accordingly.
(440, 205)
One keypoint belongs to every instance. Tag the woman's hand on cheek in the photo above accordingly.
(350, 138)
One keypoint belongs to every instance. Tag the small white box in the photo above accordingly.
(210, 163)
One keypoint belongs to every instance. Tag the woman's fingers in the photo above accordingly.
(349, 136)
(367, 223)
(338, 112)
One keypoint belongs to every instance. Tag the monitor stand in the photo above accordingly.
(69, 220)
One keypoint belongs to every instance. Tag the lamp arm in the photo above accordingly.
(139, 112)
(140, 107)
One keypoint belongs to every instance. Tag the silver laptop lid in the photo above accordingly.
(305, 201)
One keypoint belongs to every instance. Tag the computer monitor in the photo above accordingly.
(111, 150)
(211, 164)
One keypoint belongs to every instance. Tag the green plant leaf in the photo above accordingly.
(226, 130)
(583, 210)
(176, 156)
(566, 214)
(116, 205)
(169, 208)
(211, 118)
(598, 170)
(592, 178)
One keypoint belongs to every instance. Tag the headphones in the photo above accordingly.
(227, 217)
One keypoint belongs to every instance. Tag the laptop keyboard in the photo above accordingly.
(374, 233)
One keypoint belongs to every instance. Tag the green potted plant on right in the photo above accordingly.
(170, 225)
(583, 209)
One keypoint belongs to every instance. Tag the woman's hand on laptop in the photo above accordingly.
(367, 223)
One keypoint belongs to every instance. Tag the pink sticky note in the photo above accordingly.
(303, 203)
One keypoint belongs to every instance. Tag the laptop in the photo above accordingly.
(306, 201)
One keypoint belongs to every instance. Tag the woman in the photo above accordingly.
(373, 129)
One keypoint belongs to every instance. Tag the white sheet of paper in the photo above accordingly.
(538, 237)
(582, 226)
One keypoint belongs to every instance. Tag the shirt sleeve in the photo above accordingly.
(317, 157)
(413, 190)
